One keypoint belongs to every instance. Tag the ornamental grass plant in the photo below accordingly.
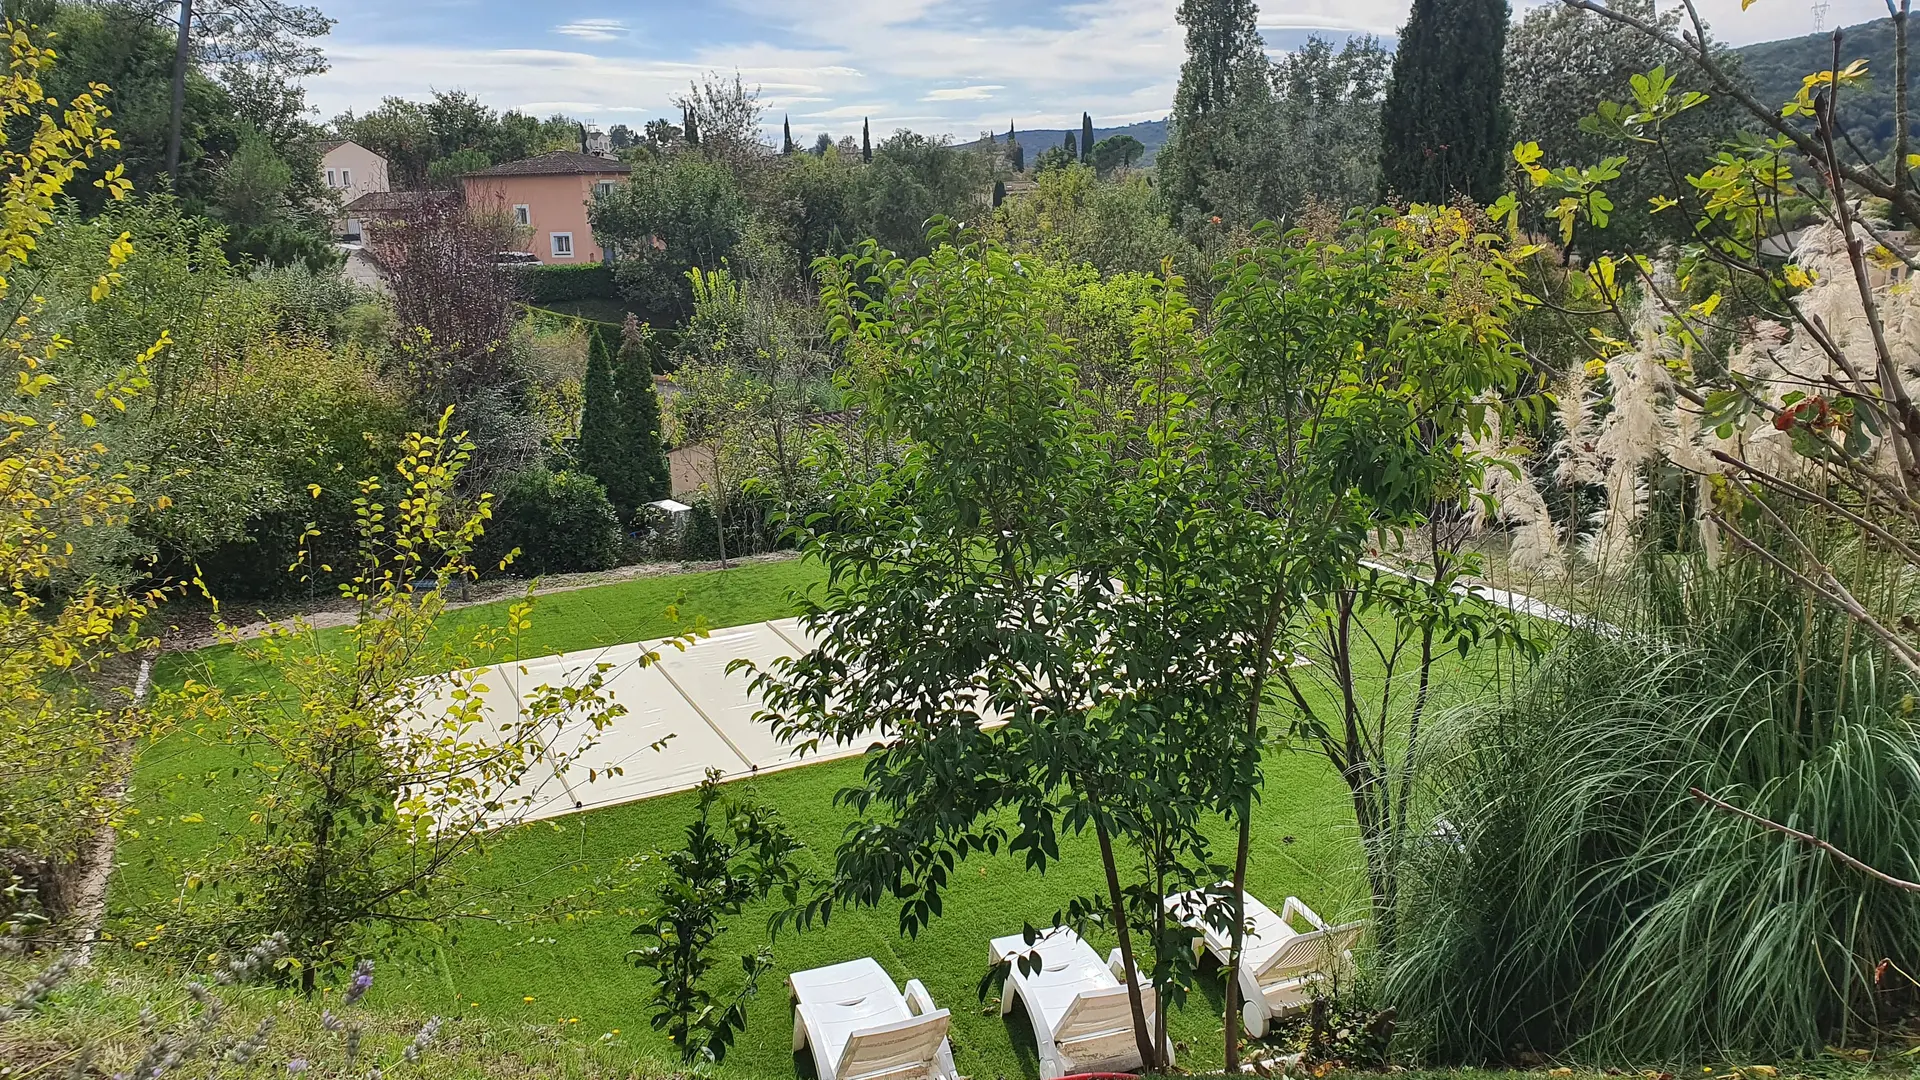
(1576, 900)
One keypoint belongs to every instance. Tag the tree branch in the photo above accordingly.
(1698, 53)
(1805, 838)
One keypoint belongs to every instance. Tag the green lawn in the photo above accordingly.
(575, 968)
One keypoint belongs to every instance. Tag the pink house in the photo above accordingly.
(548, 195)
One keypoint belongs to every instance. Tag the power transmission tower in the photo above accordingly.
(1820, 15)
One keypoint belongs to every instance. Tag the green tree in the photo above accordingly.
(1116, 152)
(1000, 523)
(601, 452)
(866, 142)
(674, 214)
(1086, 139)
(1223, 79)
(1068, 144)
(999, 193)
(640, 417)
(1444, 122)
(381, 792)
(726, 864)
(786, 136)
(1052, 159)
(1566, 61)
(59, 739)
(446, 172)
(914, 179)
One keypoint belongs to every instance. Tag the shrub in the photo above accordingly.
(561, 522)
(1576, 900)
(551, 284)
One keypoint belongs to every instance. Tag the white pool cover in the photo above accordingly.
(685, 715)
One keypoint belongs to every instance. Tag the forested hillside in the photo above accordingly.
(1775, 69)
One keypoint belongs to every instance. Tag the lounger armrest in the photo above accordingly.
(919, 1002)
(1294, 906)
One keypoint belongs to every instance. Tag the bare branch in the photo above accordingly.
(1806, 838)
(1697, 52)
(1829, 590)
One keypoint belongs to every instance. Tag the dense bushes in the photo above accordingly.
(1592, 907)
(561, 522)
(551, 284)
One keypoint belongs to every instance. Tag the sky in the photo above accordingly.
(956, 67)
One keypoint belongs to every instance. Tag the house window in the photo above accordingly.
(522, 215)
(346, 177)
(330, 176)
(562, 245)
(604, 187)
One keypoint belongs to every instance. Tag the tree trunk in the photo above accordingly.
(1142, 1035)
(177, 119)
(1257, 694)
(1900, 104)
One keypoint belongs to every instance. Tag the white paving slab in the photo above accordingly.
(685, 714)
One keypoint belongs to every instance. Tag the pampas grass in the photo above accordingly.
(1595, 910)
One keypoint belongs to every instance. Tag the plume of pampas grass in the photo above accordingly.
(1576, 457)
(1535, 543)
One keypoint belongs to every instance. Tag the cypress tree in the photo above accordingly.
(1225, 70)
(999, 193)
(640, 416)
(1444, 129)
(1009, 133)
(1072, 153)
(1019, 158)
(866, 142)
(692, 126)
(1086, 139)
(599, 452)
(786, 133)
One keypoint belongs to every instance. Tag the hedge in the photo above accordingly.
(586, 281)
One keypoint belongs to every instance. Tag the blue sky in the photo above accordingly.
(939, 66)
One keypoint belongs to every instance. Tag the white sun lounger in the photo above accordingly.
(1082, 1019)
(860, 1027)
(1280, 968)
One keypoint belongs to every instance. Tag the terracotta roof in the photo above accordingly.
(557, 163)
(379, 202)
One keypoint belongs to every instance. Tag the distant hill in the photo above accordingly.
(1774, 70)
(1151, 133)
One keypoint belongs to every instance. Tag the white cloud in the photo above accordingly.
(959, 59)
(963, 93)
(594, 29)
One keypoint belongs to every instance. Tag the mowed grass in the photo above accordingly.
(573, 967)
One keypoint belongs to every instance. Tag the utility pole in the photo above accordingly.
(180, 51)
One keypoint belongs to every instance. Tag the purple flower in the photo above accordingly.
(296, 1066)
(362, 979)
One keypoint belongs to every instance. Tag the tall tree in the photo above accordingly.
(599, 451)
(262, 35)
(999, 193)
(1086, 139)
(866, 141)
(690, 125)
(1225, 72)
(1445, 127)
(1073, 152)
(786, 135)
(640, 417)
